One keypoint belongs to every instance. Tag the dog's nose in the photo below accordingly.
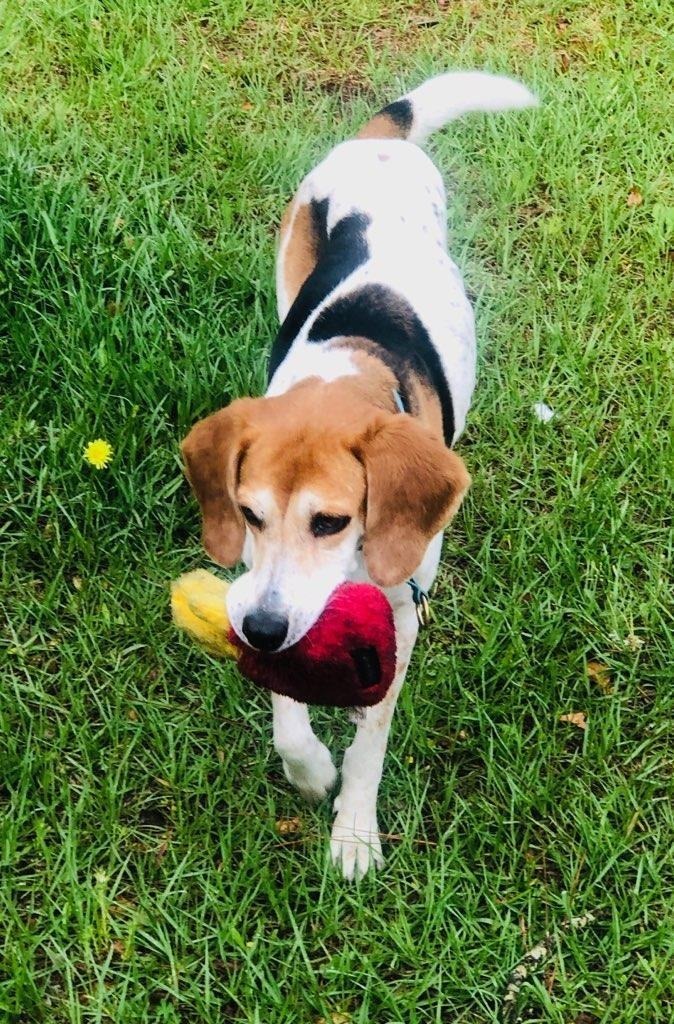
(265, 630)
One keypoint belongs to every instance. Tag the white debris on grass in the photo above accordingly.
(543, 412)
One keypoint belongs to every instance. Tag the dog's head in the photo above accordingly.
(298, 484)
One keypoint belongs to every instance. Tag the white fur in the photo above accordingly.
(405, 199)
(446, 97)
(277, 580)
(306, 761)
(355, 844)
(402, 193)
(325, 363)
(400, 189)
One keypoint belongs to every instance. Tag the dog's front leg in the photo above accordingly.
(306, 761)
(355, 844)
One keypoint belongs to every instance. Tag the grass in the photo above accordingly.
(147, 150)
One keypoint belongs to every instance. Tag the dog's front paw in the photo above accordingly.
(314, 778)
(355, 846)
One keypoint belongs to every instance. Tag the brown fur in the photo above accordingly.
(378, 382)
(375, 381)
(212, 452)
(298, 233)
(381, 126)
(334, 440)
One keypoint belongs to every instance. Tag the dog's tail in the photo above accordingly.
(443, 99)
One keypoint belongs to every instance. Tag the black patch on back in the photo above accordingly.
(319, 220)
(402, 115)
(387, 319)
(338, 255)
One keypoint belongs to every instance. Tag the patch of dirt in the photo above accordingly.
(318, 51)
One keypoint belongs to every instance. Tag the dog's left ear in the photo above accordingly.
(415, 485)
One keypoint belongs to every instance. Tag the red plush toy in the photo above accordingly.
(347, 658)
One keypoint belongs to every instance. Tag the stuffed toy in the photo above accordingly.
(347, 658)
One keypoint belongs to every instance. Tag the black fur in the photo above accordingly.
(381, 315)
(401, 114)
(338, 255)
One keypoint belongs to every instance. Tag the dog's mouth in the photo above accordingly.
(367, 665)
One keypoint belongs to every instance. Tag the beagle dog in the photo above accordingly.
(345, 470)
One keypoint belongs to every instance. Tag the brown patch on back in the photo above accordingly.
(381, 126)
(429, 410)
(298, 235)
(377, 382)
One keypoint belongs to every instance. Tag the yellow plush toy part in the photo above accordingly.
(346, 659)
(199, 608)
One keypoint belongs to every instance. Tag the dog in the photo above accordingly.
(345, 470)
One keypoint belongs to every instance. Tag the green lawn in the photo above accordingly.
(147, 148)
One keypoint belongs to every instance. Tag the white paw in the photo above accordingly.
(313, 779)
(355, 846)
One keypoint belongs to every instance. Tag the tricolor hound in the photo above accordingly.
(345, 469)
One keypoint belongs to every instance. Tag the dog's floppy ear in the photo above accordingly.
(212, 451)
(415, 484)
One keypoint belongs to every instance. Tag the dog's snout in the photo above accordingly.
(265, 630)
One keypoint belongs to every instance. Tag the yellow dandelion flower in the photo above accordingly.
(98, 453)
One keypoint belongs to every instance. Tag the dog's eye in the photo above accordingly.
(250, 517)
(323, 525)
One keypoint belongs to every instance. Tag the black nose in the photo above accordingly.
(265, 630)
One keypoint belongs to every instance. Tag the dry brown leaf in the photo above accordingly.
(600, 675)
(288, 826)
(635, 198)
(577, 718)
(161, 851)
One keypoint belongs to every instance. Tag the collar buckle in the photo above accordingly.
(422, 604)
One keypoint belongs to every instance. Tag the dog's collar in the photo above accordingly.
(400, 403)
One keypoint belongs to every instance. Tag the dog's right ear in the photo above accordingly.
(213, 451)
